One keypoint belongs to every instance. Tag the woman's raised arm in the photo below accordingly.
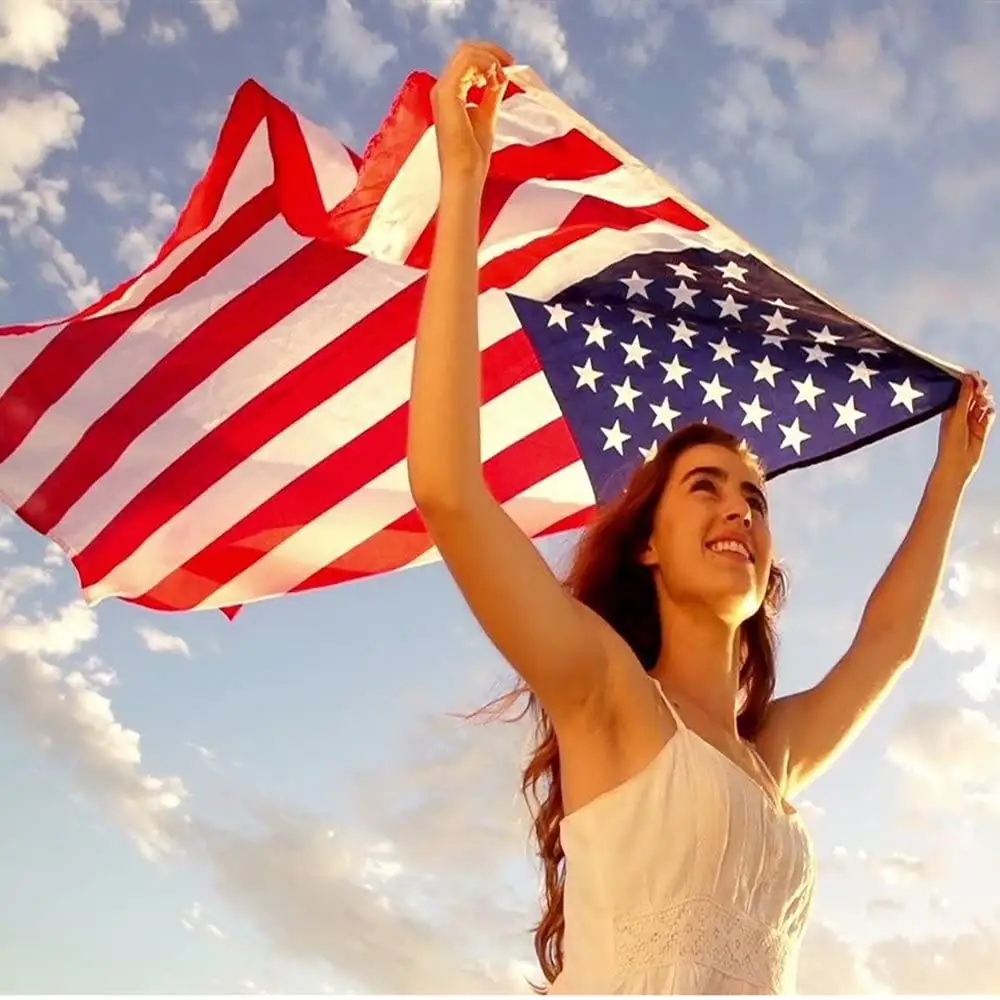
(560, 648)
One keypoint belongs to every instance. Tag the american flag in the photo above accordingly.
(230, 424)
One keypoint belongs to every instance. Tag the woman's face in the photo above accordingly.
(711, 539)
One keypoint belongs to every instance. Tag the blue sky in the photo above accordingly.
(283, 803)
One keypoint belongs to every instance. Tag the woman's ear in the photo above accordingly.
(648, 556)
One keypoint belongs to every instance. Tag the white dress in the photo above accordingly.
(688, 878)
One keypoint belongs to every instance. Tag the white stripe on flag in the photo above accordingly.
(335, 172)
(326, 429)
(598, 250)
(315, 324)
(539, 207)
(525, 122)
(254, 171)
(407, 206)
(18, 352)
(505, 420)
(540, 506)
(151, 338)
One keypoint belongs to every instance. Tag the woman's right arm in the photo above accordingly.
(559, 647)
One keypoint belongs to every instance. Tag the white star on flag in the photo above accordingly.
(904, 394)
(588, 375)
(615, 437)
(754, 413)
(683, 293)
(715, 391)
(636, 285)
(848, 415)
(558, 314)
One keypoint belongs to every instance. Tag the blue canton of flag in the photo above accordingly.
(660, 340)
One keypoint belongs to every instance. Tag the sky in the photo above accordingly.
(290, 802)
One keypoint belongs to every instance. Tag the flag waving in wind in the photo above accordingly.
(230, 424)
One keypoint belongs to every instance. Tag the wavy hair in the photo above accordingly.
(607, 575)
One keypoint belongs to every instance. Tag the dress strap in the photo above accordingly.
(671, 708)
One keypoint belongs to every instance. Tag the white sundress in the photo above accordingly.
(687, 878)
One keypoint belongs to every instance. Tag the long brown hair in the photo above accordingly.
(607, 575)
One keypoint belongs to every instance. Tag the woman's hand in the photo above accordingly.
(465, 131)
(964, 429)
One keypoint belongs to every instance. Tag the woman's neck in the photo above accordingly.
(699, 661)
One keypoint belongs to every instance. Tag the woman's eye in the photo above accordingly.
(704, 484)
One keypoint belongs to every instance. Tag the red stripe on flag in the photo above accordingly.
(82, 342)
(569, 157)
(384, 157)
(249, 108)
(589, 215)
(235, 440)
(578, 519)
(517, 468)
(239, 322)
(322, 487)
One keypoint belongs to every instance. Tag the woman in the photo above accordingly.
(673, 863)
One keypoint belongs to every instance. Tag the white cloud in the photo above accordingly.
(31, 128)
(968, 620)
(157, 641)
(126, 191)
(197, 155)
(298, 81)
(533, 28)
(222, 14)
(407, 899)
(358, 50)
(34, 33)
(439, 18)
(838, 231)
(840, 90)
(317, 895)
(830, 965)
(61, 268)
(967, 962)
(810, 810)
(645, 23)
(699, 179)
(950, 756)
(898, 868)
(854, 88)
(755, 27)
(108, 15)
(166, 31)
(140, 243)
(747, 101)
(62, 706)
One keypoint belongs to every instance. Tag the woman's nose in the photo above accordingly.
(740, 511)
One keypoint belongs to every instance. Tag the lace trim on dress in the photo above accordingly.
(703, 932)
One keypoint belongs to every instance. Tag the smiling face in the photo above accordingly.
(711, 541)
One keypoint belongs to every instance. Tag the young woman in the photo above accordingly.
(673, 863)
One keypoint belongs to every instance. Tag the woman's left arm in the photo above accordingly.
(803, 733)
